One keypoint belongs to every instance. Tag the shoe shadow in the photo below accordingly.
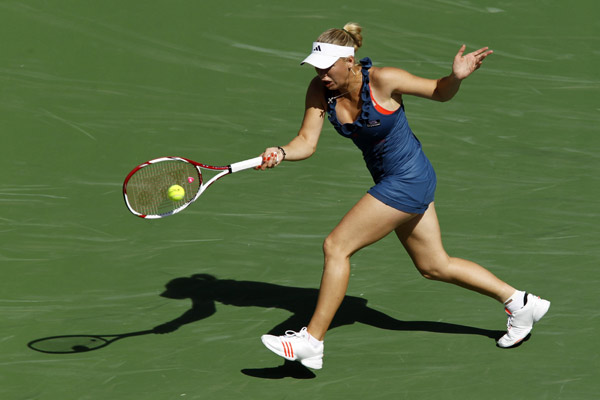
(289, 369)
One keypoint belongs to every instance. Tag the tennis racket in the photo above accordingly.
(146, 188)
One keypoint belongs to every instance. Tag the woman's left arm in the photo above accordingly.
(399, 82)
(462, 67)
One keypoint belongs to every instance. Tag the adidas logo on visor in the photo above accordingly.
(323, 55)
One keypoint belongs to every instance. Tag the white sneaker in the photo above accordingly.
(295, 346)
(521, 321)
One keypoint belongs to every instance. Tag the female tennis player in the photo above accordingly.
(366, 104)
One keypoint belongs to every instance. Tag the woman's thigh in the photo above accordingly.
(367, 222)
(422, 240)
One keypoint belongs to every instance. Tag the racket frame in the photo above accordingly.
(225, 170)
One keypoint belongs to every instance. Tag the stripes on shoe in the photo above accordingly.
(288, 349)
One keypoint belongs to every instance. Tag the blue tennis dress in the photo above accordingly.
(404, 178)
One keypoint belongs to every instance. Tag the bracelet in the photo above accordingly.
(282, 151)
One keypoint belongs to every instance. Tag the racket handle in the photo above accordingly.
(242, 165)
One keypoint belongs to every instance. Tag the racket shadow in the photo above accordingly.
(69, 344)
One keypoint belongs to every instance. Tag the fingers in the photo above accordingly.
(481, 54)
(461, 51)
(270, 159)
(480, 51)
(478, 54)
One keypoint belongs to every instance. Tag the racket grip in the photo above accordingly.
(242, 165)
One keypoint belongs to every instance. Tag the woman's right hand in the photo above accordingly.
(272, 157)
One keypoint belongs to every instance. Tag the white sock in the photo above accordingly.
(313, 340)
(516, 301)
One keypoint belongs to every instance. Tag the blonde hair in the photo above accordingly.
(350, 35)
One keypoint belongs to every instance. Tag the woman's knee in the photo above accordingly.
(334, 248)
(434, 268)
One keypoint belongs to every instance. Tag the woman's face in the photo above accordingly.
(337, 76)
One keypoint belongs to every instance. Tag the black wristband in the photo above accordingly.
(283, 151)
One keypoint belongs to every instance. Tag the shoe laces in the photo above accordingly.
(510, 321)
(302, 334)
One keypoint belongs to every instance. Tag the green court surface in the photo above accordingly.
(89, 89)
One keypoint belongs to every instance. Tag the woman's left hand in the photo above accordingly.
(465, 65)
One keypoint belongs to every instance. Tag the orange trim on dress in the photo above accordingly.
(377, 106)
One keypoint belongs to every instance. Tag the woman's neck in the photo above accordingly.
(352, 89)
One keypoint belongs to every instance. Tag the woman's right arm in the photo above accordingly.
(305, 143)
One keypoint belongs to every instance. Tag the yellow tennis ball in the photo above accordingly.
(176, 193)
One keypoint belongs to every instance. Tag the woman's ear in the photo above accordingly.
(350, 61)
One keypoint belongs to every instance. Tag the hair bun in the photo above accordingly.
(354, 30)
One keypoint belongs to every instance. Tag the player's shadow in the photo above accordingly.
(204, 290)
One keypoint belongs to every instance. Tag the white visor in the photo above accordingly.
(324, 55)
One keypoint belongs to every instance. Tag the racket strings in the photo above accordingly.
(147, 189)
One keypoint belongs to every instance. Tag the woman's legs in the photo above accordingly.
(367, 222)
(422, 239)
(370, 220)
